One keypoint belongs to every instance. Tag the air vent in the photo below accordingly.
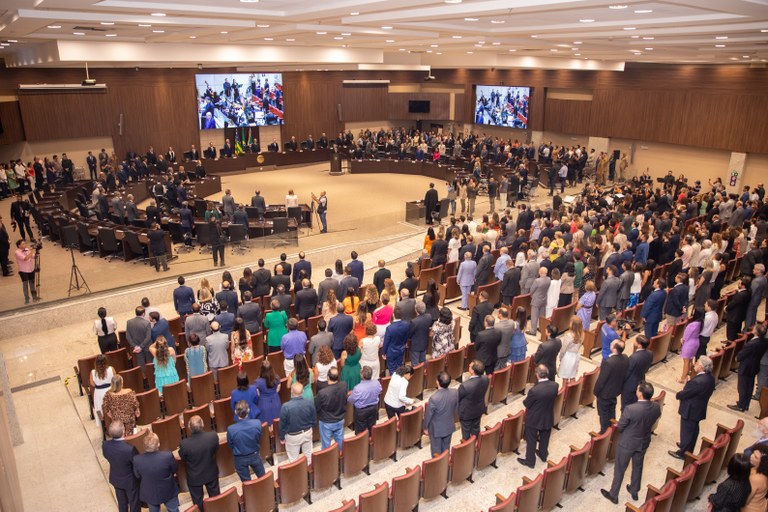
(92, 29)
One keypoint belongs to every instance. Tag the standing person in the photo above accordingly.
(736, 309)
(758, 288)
(639, 362)
(297, 418)
(539, 417)
(120, 456)
(571, 350)
(609, 384)
(396, 401)
(547, 353)
(218, 350)
(380, 275)
(653, 309)
(506, 328)
(365, 401)
(157, 247)
(218, 241)
(322, 209)
(677, 301)
(708, 326)
(418, 332)
(331, 407)
(694, 399)
(25, 266)
(539, 290)
(465, 278)
(636, 426)
(487, 344)
(441, 408)
(690, 343)
(608, 298)
(183, 298)
(20, 212)
(482, 309)
(733, 493)
(472, 400)
(431, 203)
(198, 451)
(749, 366)
(758, 480)
(244, 438)
(395, 339)
(276, 322)
(156, 472)
(138, 332)
(105, 329)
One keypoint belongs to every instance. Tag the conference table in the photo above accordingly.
(266, 159)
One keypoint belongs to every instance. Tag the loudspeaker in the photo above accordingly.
(120, 124)
(338, 111)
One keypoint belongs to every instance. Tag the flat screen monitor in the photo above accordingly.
(239, 99)
(418, 107)
(503, 106)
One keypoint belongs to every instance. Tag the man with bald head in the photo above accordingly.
(297, 417)
(120, 456)
(198, 451)
(155, 470)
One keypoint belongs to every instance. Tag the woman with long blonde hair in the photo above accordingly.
(165, 364)
(329, 306)
(569, 353)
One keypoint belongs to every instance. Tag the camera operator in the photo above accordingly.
(322, 208)
(25, 266)
(611, 332)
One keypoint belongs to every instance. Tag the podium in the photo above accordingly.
(336, 164)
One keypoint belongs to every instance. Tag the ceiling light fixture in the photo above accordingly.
(269, 39)
(617, 7)
(144, 25)
(79, 33)
(346, 33)
(577, 42)
(719, 46)
(470, 53)
(534, 36)
(635, 37)
(586, 20)
(390, 40)
(498, 22)
(649, 49)
(577, 54)
(456, 37)
(764, 30)
(321, 33)
(553, 50)
(496, 43)
(107, 23)
(643, 11)
(54, 26)
(290, 39)
(433, 46)
(110, 35)
(354, 13)
(12, 41)
(161, 14)
(249, 1)
(339, 38)
(386, 27)
(439, 53)
(429, 51)
(159, 31)
(453, 1)
(648, 38)
(193, 37)
(629, 28)
(470, 19)
(512, 49)
(720, 38)
(263, 26)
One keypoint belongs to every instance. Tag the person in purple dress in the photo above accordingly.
(586, 303)
(690, 343)
(268, 386)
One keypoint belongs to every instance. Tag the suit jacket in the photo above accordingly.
(284, 299)
(677, 300)
(419, 332)
(395, 338)
(261, 282)
(259, 203)
(345, 284)
(639, 362)
(155, 472)
(300, 265)
(611, 378)
(357, 270)
(198, 451)
(757, 289)
(411, 284)
(120, 456)
(675, 267)
(547, 354)
(230, 297)
(486, 347)
(539, 405)
(439, 253)
(635, 425)
(306, 302)
(539, 290)
(749, 356)
(183, 298)
(609, 292)
(250, 312)
(626, 284)
(277, 280)
(472, 398)
(653, 307)
(326, 284)
(737, 306)
(379, 276)
(466, 273)
(138, 331)
(440, 411)
(694, 397)
(407, 309)
(484, 269)
(479, 312)
(528, 275)
(510, 286)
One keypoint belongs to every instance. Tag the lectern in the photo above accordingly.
(336, 164)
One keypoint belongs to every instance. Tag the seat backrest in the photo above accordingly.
(228, 501)
(720, 447)
(236, 232)
(598, 451)
(223, 414)
(529, 494)
(519, 375)
(576, 469)
(169, 432)
(376, 500)
(434, 366)
(660, 399)
(149, 407)
(411, 427)
(500, 385)
(735, 434)
(557, 406)
(355, 454)
(225, 459)
(252, 368)
(277, 359)
(588, 388)
(279, 225)
(683, 489)
(462, 461)
(133, 379)
(702, 465)
(663, 502)
(553, 484)
(202, 388)
(118, 360)
(227, 380)
(405, 490)
(572, 397)
(384, 440)
(511, 432)
(504, 504)
(488, 446)
(659, 346)
(84, 367)
(259, 495)
(176, 397)
(454, 363)
(325, 467)
(137, 440)
(416, 384)
(292, 481)
(204, 411)
(434, 476)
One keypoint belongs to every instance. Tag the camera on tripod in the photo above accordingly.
(627, 325)
(38, 246)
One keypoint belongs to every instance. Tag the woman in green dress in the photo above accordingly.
(302, 375)
(350, 374)
(275, 322)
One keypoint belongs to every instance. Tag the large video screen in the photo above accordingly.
(503, 106)
(239, 99)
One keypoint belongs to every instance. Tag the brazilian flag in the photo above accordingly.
(238, 144)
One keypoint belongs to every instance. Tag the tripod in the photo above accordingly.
(75, 276)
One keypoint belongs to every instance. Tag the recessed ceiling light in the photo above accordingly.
(79, 33)
(263, 26)
(635, 37)
(453, 1)
(577, 42)
(390, 40)
(470, 19)
(574, 49)
(734, 58)
(249, 1)
(745, 56)
(643, 11)
(648, 38)
(721, 37)
(649, 49)
(346, 33)
(618, 6)
(577, 54)
(719, 46)
(290, 39)
(159, 31)
(321, 33)
(534, 36)
(158, 14)
(339, 38)
(193, 37)
(456, 37)
(497, 22)
(144, 25)
(401, 49)
(54, 26)
(470, 53)
(386, 27)
(586, 20)
(12, 41)
(481, 42)
(629, 28)
(554, 50)
(433, 46)
(440, 53)
(110, 35)
(107, 23)
(478, 46)
(496, 43)
(269, 39)
(224, 32)
(764, 30)
(354, 13)
(429, 51)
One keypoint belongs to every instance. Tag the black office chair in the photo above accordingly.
(204, 236)
(200, 207)
(237, 237)
(110, 244)
(86, 240)
(69, 237)
(280, 230)
(136, 247)
(295, 213)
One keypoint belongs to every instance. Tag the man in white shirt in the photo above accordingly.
(396, 401)
(291, 200)
(708, 326)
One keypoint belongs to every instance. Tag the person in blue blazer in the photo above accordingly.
(395, 339)
(653, 308)
(465, 278)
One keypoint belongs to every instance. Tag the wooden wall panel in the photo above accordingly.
(311, 102)
(439, 108)
(364, 102)
(459, 111)
(567, 116)
(13, 127)
(65, 115)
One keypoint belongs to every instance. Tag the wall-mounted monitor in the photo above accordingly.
(503, 106)
(239, 99)
(418, 106)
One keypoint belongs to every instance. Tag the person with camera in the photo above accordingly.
(25, 265)
(322, 208)
(611, 332)
(20, 211)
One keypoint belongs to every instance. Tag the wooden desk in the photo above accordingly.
(250, 160)
(412, 167)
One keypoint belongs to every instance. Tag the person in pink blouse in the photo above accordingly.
(25, 266)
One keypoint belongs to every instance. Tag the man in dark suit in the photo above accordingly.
(608, 297)
(736, 310)
(749, 366)
(283, 299)
(609, 383)
(273, 146)
(357, 268)
(441, 408)
(171, 155)
(91, 161)
(439, 251)
(675, 267)
(653, 309)
(302, 264)
(639, 362)
(198, 451)
(487, 344)
(407, 306)
(380, 275)
(261, 280)
(510, 285)
(120, 456)
(431, 203)
(757, 290)
(484, 269)
(547, 353)
(410, 283)
(327, 284)
(210, 152)
(694, 399)
(306, 301)
(228, 295)
(284, 265)
(472, 400)
(395, 339)
(347, 282)
(280, 279)
(539, 417)
(258, 202)
(183, 298)
(156, 472)
(250, 312)
(482, 309)
(677, 301)
(635, 426)
(419, 334)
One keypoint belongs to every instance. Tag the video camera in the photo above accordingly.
(627, 325)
